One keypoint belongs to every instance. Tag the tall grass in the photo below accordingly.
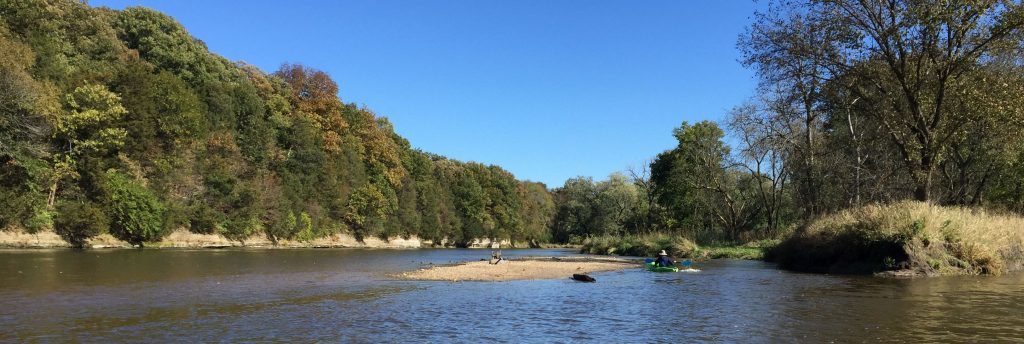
(911, 237)
(650, 245)
(640, 245)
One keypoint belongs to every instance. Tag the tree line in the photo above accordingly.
(858, 102)
(122, 122)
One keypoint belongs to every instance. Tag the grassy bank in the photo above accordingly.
(676, 246)
(908, 239)
(751, 251)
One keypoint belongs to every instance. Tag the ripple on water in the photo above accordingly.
(339, 295)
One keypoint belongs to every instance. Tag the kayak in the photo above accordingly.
(654, 268)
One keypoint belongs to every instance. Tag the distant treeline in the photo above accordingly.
(859, 102)
(122, 122)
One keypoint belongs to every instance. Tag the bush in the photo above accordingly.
(136, 214)
(20, 208)
(78, 221)
(205, 220)
(241, 228)
(41, 218)
(283, 228)
(305, 228)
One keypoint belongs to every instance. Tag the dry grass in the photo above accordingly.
(641, 245)
(649, 245)
(909, 236)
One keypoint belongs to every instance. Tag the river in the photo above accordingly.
(348, 295)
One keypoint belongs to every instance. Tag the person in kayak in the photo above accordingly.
(663, 260)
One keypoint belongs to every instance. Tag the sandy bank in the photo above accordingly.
(519, 269)
(181, 238)
(185, 239)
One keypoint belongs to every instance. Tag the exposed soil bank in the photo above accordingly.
(17, 238)
(519, 269)
(906, 239)
(186, 239)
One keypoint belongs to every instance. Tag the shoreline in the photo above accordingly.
(14, 239)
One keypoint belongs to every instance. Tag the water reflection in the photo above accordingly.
(347, 295)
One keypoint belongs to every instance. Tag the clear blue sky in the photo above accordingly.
(546, 89)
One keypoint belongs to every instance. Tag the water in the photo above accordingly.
(349, 296)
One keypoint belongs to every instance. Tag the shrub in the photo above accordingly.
(241, 228)
(205, 220)
(136, 214)
(305, 228)
(283, 228)
(41, 218)
(78, 221)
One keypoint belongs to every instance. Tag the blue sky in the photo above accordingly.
(546, 89)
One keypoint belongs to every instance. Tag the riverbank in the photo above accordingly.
(650, 245)
(519, 269)
(185, 239)
(906, 239)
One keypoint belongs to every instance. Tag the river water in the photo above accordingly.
(339, 295)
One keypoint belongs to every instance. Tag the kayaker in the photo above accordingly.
(663, 260)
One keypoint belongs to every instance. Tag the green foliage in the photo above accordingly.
(88, 127)
(305, 228)
(39, 219)
(285, 228)
(160, 40)
(366, 209)
(241, 228)
(77, 221)
(215, 146)
(136, 213)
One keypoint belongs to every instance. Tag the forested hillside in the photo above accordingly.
(122, 122)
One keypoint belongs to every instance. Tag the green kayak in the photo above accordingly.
(654, 268)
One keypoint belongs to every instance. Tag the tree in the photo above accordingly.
(793, 53)
(574, 216)
(25, 103)
(536, 212)
(87, 129)
(163, 42)
(763, 153)
(698, 184)
(315, 95)
(648, 211)
(136, 214)
(367, 209)
(910, 63)
(616, 203)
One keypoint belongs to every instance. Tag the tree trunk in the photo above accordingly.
(923, 187)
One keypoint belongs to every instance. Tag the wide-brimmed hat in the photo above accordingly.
(662, 253)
